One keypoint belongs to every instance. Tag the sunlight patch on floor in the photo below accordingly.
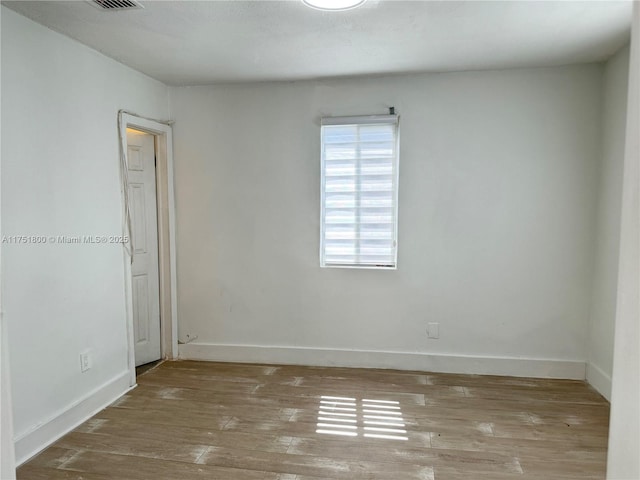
(369, 418)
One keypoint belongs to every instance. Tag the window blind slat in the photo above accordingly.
(352, 234)
(361, 259)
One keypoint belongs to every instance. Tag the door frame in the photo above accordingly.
(165, 199)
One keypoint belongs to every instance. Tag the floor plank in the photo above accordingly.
(192, 420)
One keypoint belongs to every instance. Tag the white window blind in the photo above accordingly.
(359, 191)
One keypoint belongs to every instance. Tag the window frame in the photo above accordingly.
(391, 119)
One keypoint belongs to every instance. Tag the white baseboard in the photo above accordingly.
(599, 380)
(517, 367)
(41, 436)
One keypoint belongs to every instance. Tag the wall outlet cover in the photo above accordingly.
(433, 330)
(85, 362)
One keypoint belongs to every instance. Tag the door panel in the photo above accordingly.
(144, 233)
(138, 218)
(141, 309)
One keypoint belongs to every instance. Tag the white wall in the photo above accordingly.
(7, 452)
(605, 278)
(60, 176)
(624, 430)
(497, 199)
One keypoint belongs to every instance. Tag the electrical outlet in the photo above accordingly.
(433, 330)
(85, 362)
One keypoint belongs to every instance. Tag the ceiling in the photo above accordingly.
(204, 42)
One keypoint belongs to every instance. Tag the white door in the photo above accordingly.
(144, 235)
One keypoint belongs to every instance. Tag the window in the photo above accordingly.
(359, 192)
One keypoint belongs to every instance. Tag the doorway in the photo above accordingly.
(145, 276)
(149, 224)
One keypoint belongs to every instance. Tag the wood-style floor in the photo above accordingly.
(199, 420)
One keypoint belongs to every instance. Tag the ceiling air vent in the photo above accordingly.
(115, 5)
